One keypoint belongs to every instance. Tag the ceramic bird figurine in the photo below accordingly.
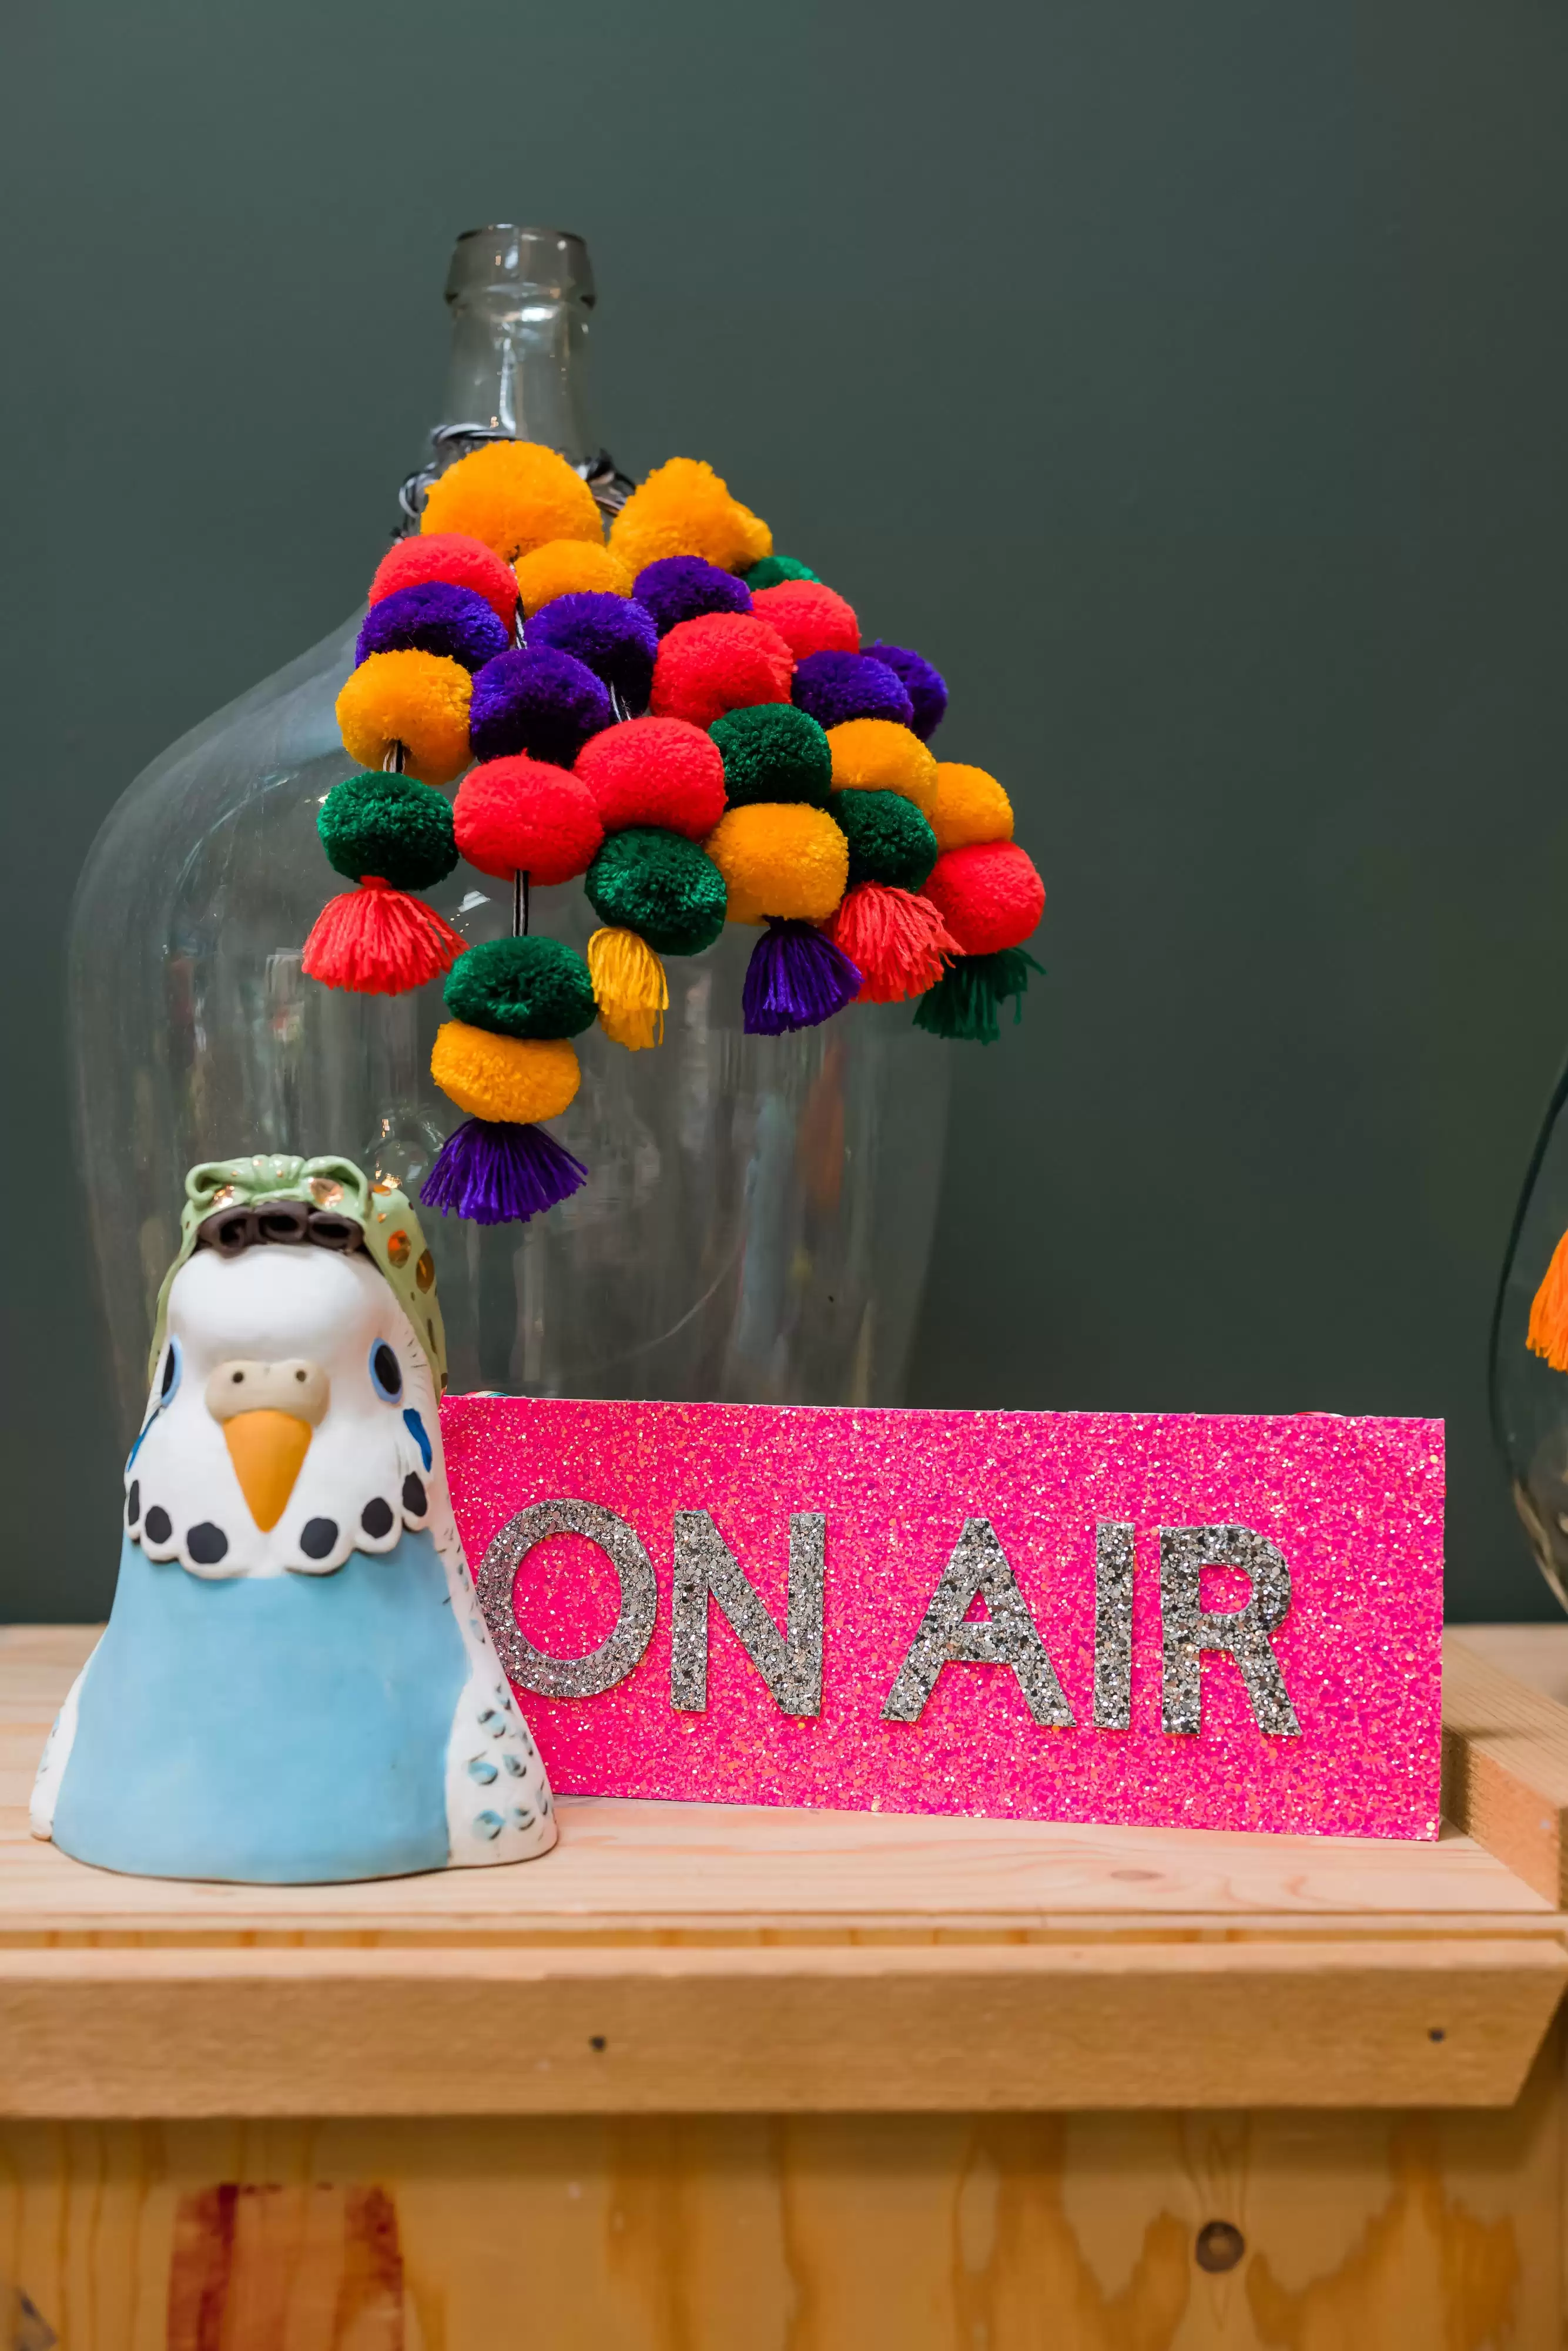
(295, 1684)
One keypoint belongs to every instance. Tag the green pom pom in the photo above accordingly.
(965, 1001)
(521, 988)
(660, 885)
(889, 839)
(389, 825)
(774, 752)
(773, 569)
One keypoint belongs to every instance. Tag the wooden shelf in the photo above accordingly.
(690, 1959)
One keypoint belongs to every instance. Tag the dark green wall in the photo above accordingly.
(1192, 380)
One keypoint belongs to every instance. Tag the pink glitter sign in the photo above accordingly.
(1149, 1618)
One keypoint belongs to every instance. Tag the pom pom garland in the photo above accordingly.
(789, 861)
(989, 895)
(719, 662)
(965, 1003)
(797, 978)
(546, 703)
(522, 987)
(781, 778)
(378, 941)
(453, 557)
(877, 755)
(434, 618)
(775, 569)
(897, 938)
(773, 752)
(684, 508)
(501, 1174)
(683, 588)
(566, 567)
(926, 686)
(390, 825)
(610, 636)
(837, 686)
(890, 840)
(968, 805)
(514, 496)
(523, 816)
(808, 617)
(660, 885)
(418, 700)
(654, 771)
(630, 988)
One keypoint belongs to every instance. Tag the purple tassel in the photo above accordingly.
(496, 1174)
(796, 978)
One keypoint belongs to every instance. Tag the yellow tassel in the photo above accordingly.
(1548, 1313)
(629, 988)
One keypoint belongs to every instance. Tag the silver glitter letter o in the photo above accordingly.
(614, 1659)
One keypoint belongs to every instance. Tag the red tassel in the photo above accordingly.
(899, 941)
(380, 941)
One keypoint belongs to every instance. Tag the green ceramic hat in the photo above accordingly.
(334, 1186)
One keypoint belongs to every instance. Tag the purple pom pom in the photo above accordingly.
(543, 702)
(831, 687)
(683, 588)
(434, 618)
(926, 687)
(796, 978)
(496, 1174)
(615, 637)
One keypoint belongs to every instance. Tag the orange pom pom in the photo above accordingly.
(684, 508)
(878, 755)
(518, 1079)
(968, 806)
(719, 662)
(419, 700)
(514, 496)
(808, 617)
(568, 567)
(780, 858)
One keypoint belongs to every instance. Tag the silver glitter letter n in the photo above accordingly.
(1007, 1636)
(614, 1659)
(1190, 1629)
(792, 1663)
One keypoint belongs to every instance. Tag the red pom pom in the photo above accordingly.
(521, 816)
(988, 895)
(896, 938)
(719, 662)
(378, 941)
(450, 555)
(808, 617)
(654, 771)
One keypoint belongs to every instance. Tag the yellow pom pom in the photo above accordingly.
(518, 1079)
(684, 508)
(968, 805)
(568, 567)
(629, 988)
(780, 858)
(514, 496)
(878, 755)
(419, 700)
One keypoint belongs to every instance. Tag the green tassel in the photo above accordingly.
(965, 1001)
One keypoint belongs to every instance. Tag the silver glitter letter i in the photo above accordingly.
(1113, 1625)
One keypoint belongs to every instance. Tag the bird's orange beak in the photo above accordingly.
(267, 1450)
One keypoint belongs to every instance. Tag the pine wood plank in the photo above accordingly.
(1505, 1767)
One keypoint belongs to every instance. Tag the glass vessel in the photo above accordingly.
(759, 1210)
(1528, 1399)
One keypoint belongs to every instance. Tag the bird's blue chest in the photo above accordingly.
(282, 1730)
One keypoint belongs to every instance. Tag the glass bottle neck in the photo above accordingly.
(520, 300)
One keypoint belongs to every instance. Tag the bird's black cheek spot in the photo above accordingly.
(376, 1519)
(317, 1537)
(133, 1502)
(206, 1543)
(416, 1500)
(158, 1524)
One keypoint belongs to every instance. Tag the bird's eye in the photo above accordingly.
(386, 1372)
(173, 1359)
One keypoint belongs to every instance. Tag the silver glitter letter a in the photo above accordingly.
(1190, 1629)
(792, 1663)
(1007, 1636)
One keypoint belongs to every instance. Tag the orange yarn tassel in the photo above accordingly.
(1548, 1333)
(380, 941)
(899, 942)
